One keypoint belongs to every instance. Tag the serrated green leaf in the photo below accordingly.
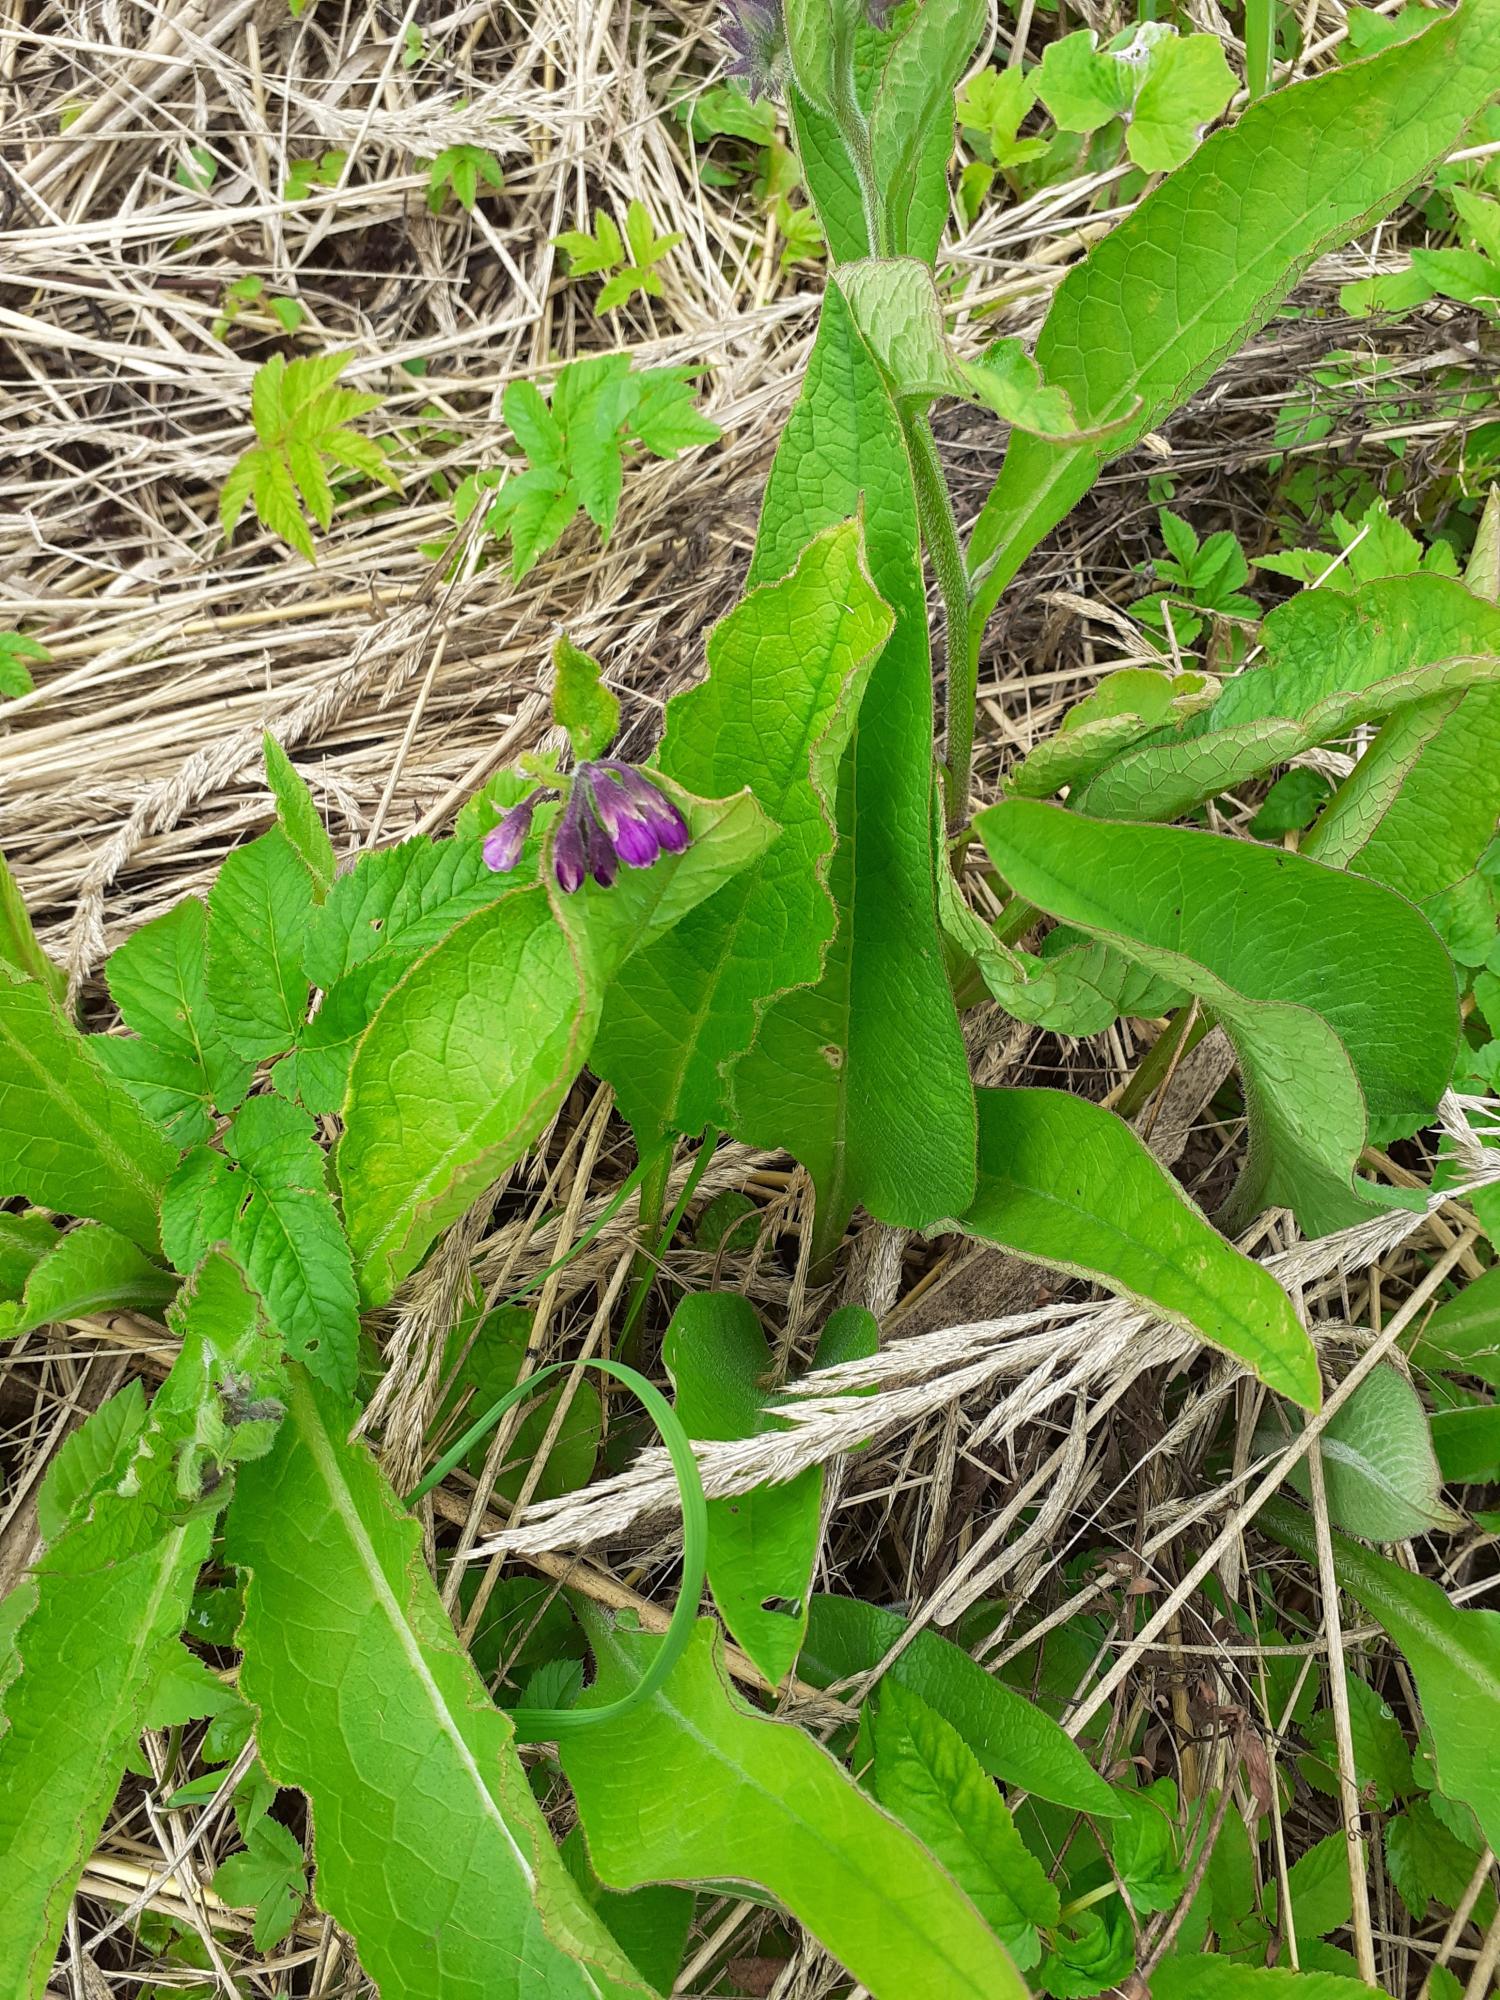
(1144, 1845)
(787, 671)
(664, 417)
(430, 1849)
(1454, 1657)
(1199, 1978)
(158, 979)
(1338, 996)
(1381, 1475)
(258, 912)
(270, 1876)
(1067, 1183)
(928, 1777)
(1426, 1862)
(71, 1137)
(92, 1269)
(87, 1456)
(865, 1888)
(267, 1196)
(1012, 1738)
(1382, 1762)
(300, 819)
(830, 1076)
(1463, 1336)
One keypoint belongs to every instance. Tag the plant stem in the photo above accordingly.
(1260, 46)
(1178, 1038)
(940, 537)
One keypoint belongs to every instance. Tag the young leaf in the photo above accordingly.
(430, 1849)
(787, 671)
(268, 1875)
(16, 648)
(461, 169)
(864, 1887)
(1337, 995)
(1012, 1738)
(1378, 1465)
(830, 1076)
(1454, 1657)
(91, 1269)
(19, 948)
(71, 1137)
(181, 1068)
(300, 819)
(267, 1196)
(931, 1780)
(1067, 1183)
(87, 1457)
(258, 912)
(581, 703)
(762, 1545)
(1226, 237)
(914, 102)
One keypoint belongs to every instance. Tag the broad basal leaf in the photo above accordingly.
(931, 1780)
(267, 1197)
(1338, 996)
(770, 1808)
(1069, 1184)
(1379, 1469)
(92, 1269)
(430, 1849)
(71, 1137)
(830, 1076)
(24, 1241)
(1333, 660)
(786, 672)
(258, 911)
(1454, 1657)
(1208, 256)
(1012, 1738)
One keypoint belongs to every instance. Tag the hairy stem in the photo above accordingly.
(940, 538)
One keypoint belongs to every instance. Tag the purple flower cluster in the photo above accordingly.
(613, 814)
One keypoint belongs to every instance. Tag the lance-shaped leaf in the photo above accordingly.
(1333, 660)
(1067, 1183)
(1454, 1657)
(474, 1048)
(71, 1137)
(830, 1076)
(1339, 998)
(300, 819)
(786, 672)
(91, 1269)
(770, 1808)
(258, 911)
(1151, 312)
(912, 109)
(19, 948)
(100, 1616)
(430, 1849)
(1379, 1467)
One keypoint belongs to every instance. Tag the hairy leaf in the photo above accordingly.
(91, 1269)
(1199, 1978)
(912, 109)
(1463, 1336)
(71, 1137)
(1379, 1469)
(177, 1063)
(1069, 1184)
(864, 1887)
(430, 1849)
(1338, 996)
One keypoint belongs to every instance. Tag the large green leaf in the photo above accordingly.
(258, 911)
(1333, 660)
(1379, 1468)
(91, 1269)
(266, 1196)
(926, 1775)
(1012, 1738)
(158, 980)
(1069, 1184)
(1463, 1336)
(431, 1850)
(1454, 1657)
(830, 1076)
(71, 1137)
(771, 1808)
(1338, 996)
(786, 672)
(912, 109)
(1207, 257)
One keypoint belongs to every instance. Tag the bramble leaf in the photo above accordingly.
(300, 819)
(258, 913)
(301, 423)
(19, 946)
(181, 1067)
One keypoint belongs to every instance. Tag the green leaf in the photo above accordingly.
(1427, 1863)
(1333, 660)
(928, 1777)
(1186, 87)
(771, 1808)
(87, 1457)
(1067, 1183)
(91, 1269)
(1225, 238)
(1012, 1738)
(267, 1196)
(1337, 995)
(300, 819)
(1144, 1847)
(430, 1849)
(1454, 1657)
(24, 1242)
(830, 1076)
(787, 671)
(913, 104)
(1467, 1444)
(268, 1875)
(258, 911)
(762, 1545)
(1095, 1951)
(581, 703)
(820, 40)
(1382, 1762)
(71, 1138)
(1199, 1978)
(1319, 1895)
(497, 1344)
(301, 420)
(19, 947)
(1381, 1476)
(158, 980)
(16, 648)
(1463, 1336)
(650, 1925)
(1082, 86)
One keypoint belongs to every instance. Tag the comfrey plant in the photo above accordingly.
(764, 932)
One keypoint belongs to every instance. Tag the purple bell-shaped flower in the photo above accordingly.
(613, 814)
